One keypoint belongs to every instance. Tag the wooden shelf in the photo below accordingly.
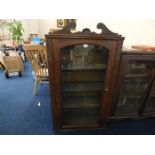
(86, 67)
(80, 116)
(81, 102)
(83, 86)
(130, 96)
(135, 75)
(132, 93)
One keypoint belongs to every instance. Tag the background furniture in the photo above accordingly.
(83, 68)
(135, 86)
(144, 47)
(11, 62)
(37, 56)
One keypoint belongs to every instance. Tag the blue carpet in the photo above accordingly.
(21, 115)
(19, 110)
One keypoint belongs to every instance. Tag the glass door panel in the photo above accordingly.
(83, 69)
(131, 93)
(137, 74)
(140, 67)
(150, 105)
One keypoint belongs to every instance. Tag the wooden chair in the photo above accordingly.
(37, 56)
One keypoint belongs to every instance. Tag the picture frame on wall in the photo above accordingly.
(63, 22)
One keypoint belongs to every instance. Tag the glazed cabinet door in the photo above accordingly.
(149, 108)
(133, 85)
(83, 77)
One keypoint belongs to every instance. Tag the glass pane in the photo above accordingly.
(140, 67)
(150, 105)
(83, 69)
(133, 86)
(131, 92)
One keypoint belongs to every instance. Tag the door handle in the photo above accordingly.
(106, 89)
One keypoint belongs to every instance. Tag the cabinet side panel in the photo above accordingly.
(52, 81)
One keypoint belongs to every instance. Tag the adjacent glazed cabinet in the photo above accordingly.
(83, 67)
(135, 86)
(92, 81)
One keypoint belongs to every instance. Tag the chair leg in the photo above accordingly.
(40, 81)
(35, 85)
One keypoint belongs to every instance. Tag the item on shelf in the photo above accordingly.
(144, 47)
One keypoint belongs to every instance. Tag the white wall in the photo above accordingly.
(46, 25)
(31, 26)
(135, 31)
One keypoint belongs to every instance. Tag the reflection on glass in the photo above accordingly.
(133, 86)
(131, 92)
(150, 105)
(83, 69)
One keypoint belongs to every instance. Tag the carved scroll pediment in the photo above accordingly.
(104, 30)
